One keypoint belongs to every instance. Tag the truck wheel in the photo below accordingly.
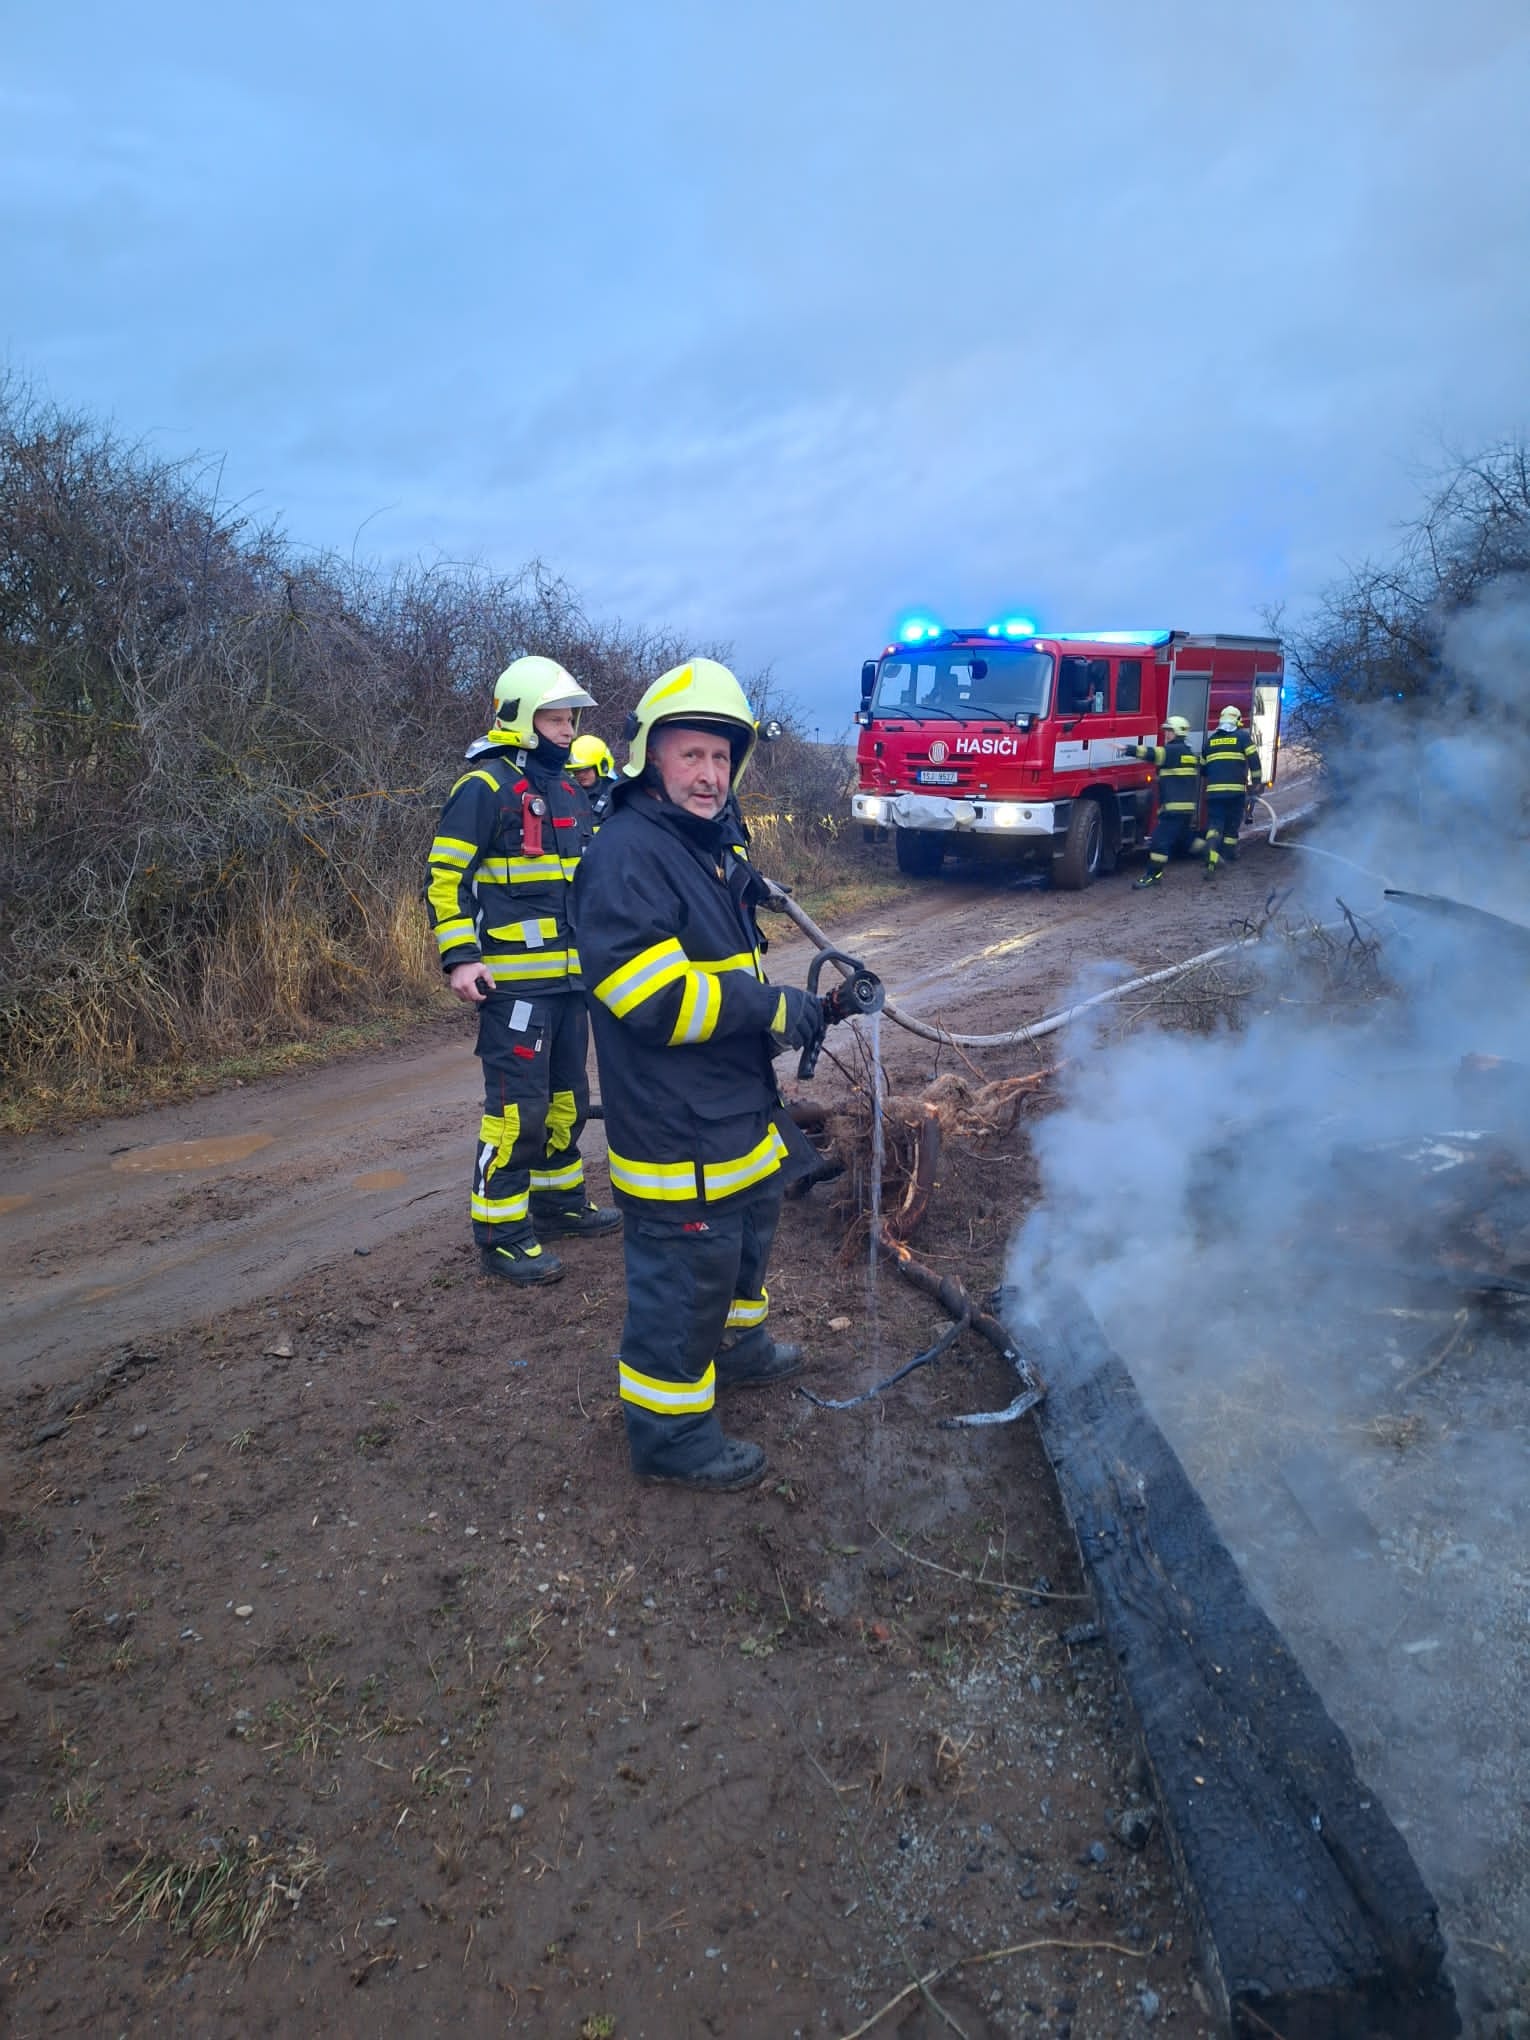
(920, 852)
(1079, 862)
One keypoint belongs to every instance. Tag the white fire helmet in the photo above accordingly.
(1230, 718)
(1178, 724)
(529, 684)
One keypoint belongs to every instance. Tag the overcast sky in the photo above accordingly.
(776, 321)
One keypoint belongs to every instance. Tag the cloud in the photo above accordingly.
(775, 319)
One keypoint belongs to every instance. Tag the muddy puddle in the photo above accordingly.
(217, 1152)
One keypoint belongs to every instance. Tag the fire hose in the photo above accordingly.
(782, 902)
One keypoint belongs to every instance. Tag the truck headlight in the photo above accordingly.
(867, 808)
(1006, 815)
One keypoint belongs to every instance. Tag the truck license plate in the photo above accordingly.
(937, 778)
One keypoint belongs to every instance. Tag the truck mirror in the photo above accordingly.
(868, 679)
(980, 669)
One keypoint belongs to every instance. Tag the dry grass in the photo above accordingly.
(224, 1902)
(63, 1100)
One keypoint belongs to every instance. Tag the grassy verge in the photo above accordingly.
(27, 1109)
(856, 893)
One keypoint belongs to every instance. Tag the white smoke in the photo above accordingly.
(1256, 1216)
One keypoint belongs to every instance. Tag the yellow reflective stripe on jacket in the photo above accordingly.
(723, 1179)
(523, 870)
(451, 850)
(455, 935)
(700, 1008)
(749, 960)
(667, 1398)
(666, 1182)
(748, 1310)
(532, 933)
(535, 963)
(487, 777)
(648, 972)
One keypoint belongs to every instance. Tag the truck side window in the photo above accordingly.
(1128, 686)
(1083, 686)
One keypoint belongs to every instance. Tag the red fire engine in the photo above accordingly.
(1007, 741)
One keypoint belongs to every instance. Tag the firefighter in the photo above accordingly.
(685, 1029)
(499, 890)
(592, 765)
(1233, 775)
(1179, 795)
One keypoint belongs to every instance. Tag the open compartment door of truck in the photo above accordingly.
(1190, 696)
(1267, 723)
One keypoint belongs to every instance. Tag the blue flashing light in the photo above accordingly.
(918, 630)
(1013, 627)
(1112, 637)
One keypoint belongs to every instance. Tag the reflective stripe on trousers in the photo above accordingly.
(536, 1100)
(685, 1280)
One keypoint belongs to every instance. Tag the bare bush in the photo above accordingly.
(222, 757)
(1378, 635)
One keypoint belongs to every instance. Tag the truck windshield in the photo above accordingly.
(965, 685)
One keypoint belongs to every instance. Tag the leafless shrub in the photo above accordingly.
(221, 758)
(1378, 634)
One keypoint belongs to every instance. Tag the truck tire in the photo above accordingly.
(1082, 856)
(920, 852)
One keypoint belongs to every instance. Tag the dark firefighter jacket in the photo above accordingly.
(1232, 763)
(1179, 775)
(493, 891)
(680, 1009)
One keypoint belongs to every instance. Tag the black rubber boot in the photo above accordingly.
(754, 1363)
(1211, 870)
(573, 1221)
(516, 1256)
(737, 1464)
(1148, 878)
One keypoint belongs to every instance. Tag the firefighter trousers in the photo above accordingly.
(1172, 832)
(1224, 817)
(536, 1098)
(695, 1294)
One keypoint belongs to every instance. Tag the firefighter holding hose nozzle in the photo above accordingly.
(685, 1029)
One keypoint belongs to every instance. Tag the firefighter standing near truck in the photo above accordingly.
(1233, 774)
(685, 1030)
(499, 892)
(1179, 795)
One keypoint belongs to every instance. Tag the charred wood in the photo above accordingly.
(1312, 1917)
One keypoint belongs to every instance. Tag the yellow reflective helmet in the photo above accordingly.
(1178, 724)
(591, 754)
(699, 692)
(527, 685)
(1230, 717)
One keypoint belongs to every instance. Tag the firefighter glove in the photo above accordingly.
(801, 1024)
